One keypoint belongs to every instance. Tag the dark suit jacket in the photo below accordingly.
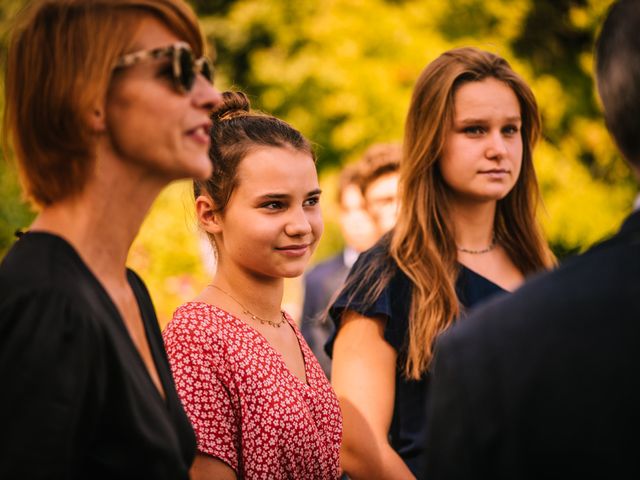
(321, 284)
(545, 383)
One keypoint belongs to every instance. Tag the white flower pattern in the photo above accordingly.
(245, 405)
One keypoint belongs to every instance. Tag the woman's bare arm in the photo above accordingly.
(363, 376)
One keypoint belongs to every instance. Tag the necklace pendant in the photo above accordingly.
(248, 313)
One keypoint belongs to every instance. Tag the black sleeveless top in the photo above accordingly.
(408, 424)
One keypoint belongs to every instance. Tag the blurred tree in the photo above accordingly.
(14, 212)
(169, 254)
(587, 188)
(342, 72)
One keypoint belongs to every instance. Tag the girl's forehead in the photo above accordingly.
(486, 97)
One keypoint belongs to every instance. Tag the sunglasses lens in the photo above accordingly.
(187, 73)
(206, 69)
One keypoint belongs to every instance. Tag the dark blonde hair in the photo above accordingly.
(422, 243)
(237, 130)
(59, 65)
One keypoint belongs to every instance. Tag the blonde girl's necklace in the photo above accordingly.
(253, 316)
(481, 251)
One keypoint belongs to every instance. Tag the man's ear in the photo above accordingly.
(210, 220)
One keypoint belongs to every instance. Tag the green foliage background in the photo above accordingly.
(342, 72)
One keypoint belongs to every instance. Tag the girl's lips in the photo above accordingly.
(496, 173)
(294, 250)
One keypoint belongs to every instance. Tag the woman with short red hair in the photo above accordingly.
(107, 101)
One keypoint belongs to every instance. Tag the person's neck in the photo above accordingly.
(262, 296)
(473, 224)
(102, 221)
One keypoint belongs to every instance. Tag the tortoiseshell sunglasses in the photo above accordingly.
(183, 66)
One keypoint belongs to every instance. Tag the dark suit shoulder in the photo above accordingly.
(540, 380)
(599, 282)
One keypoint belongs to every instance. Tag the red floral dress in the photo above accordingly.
(245, 405)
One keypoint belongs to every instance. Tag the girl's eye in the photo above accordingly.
(474, 130)
(311, 202)
(272, 205)
(510, 130)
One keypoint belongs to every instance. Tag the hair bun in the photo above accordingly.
(234, 104)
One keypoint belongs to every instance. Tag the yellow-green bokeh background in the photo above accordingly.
(342, 72)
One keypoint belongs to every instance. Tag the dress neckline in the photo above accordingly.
(482, 277)
(305, 360)
(156, 356)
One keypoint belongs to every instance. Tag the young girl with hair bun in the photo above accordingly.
(257, 398)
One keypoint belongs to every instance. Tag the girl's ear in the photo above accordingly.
(209, 219)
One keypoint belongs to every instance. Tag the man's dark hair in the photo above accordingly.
(618, 75)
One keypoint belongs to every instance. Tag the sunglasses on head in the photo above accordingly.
(184, 66)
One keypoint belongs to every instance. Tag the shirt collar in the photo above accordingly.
(349, 256)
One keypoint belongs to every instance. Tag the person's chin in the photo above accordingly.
(201, 170)
(495, 193)
(293, 271)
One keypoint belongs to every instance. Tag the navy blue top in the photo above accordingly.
(408, 424)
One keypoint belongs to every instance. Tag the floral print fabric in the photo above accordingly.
(246, 406)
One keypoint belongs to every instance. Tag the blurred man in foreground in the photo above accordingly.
(544, 383)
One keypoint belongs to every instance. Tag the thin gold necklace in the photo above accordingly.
(253, 316)
(482, 250)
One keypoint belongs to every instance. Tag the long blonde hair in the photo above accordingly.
(422, 243)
